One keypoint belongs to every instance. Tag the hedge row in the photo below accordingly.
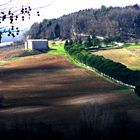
(113, 69)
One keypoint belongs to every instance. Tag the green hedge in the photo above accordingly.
(113, 69)
(137, 90)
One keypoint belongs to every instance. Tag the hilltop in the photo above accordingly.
(120, 22)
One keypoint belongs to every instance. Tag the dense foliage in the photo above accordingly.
(113, 69)
(137, 90)
(123, 24)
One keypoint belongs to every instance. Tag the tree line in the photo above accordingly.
(113, 69)
(122, 23)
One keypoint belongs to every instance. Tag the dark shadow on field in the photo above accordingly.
(8, 74)
(96, 123)
(29, 53)
(100, 122)
(48, 107)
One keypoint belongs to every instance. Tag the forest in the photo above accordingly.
(121, 23)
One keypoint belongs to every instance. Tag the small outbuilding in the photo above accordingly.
(37, 44)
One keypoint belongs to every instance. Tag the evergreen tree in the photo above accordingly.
(88, 42)
(137, 90)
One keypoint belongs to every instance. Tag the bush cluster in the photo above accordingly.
(137, 90)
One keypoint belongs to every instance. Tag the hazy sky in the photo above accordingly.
(60, 7)
(57, 8)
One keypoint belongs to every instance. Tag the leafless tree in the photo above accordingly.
(13, 10)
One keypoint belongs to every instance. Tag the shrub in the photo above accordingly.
(137, 90)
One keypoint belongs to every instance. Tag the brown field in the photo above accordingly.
(129, 57)
(50, 89)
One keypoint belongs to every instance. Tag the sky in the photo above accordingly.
(55, 8)
(61, 7)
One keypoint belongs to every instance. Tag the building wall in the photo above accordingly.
(26, 45)
(29, 44)
(36, 44)
(40, 45)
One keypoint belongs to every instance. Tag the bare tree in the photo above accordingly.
(12, 11)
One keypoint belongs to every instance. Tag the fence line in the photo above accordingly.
(111, 78)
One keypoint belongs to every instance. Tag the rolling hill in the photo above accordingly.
(49, 95)
(120, 22)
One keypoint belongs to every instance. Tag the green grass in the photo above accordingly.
(134, 67)
(132, 46)
(56, 48)
(13, 58)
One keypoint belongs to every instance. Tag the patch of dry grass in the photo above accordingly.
(128, 57)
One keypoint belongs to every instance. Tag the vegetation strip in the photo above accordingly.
(76, 62)
(106, 67)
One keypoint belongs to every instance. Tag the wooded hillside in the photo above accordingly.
(121, 23)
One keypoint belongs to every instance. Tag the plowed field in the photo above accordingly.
(50, 88)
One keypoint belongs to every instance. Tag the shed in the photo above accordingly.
(36, 44)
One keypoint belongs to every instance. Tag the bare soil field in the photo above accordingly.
(50, 89)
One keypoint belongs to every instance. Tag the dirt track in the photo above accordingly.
(49, 88)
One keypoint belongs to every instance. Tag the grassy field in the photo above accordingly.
(132, 46)
(48, 88)
(129, 56)
(56, 47)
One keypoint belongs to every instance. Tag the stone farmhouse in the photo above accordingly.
(37, 44)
